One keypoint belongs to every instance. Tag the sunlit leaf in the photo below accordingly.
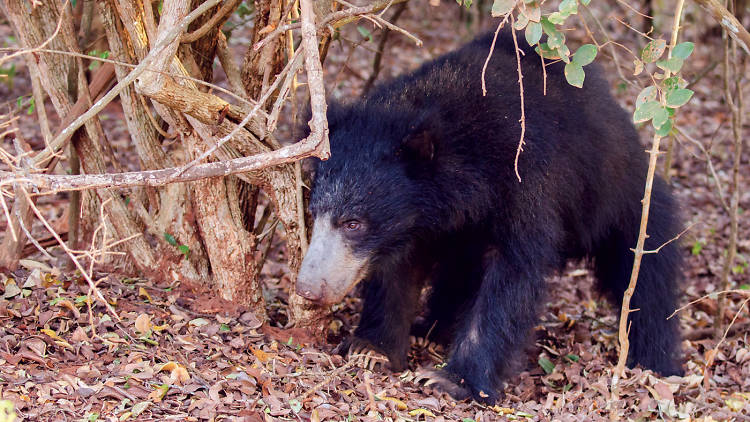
(646, 111)
(502, 7)
(678, 97)
(660, 117)
(574, 74)
(533, 33)
(653, 50)
(683, 50)
(585, 54)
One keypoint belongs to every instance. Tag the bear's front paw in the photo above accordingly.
(366, 355)
(454, 386)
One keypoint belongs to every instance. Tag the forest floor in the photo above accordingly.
(193, 357)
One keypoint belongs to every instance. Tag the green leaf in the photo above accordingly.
(574, 74)
(646, 111)
(185, 250)
(678, 97)
(224, 328)
(556, 18)
(572, 357)
(521, 21)
(533, 11)
(295, 405)
(672, 64)
(745, 287)
(585, 2)
(555, 38)
(647, 94)
(502, 7)
(544, 50)
(585, 54)
(653, 50)
(364, 32)
(533, 33)
(170, 239)
(547, 365)
(665, 129)
(674, 82)
(697, 248)
(568, 7)
(661, 117)
(564, 53)
(683, 50)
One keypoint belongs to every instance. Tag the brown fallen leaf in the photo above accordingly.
(143, 323)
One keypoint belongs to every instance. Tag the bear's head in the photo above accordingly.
(368, 200)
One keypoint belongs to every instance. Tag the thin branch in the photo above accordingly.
(336, 19)
(729, 22)
(67, 250)
(42, 45)
(669, 241)
(308, 147)
(319, 121)
(619, 370)
(271, 89)
(225, 9)
(708, 296)
(523, 108)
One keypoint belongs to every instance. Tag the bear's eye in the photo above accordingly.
(352, 225)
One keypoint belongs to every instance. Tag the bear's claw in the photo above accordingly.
(363, 352)
(438, 380)
(444, 381)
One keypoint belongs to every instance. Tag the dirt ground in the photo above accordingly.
(193, 357)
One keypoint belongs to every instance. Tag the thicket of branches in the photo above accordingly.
(159, 63)
(207, 153)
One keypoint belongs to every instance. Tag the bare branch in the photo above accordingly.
(729, 22)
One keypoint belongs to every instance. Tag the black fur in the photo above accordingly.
(426, 163)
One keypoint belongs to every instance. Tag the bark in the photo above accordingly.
(260, 66)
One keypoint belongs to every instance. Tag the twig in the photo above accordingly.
(523, 108)
(271, 89)
(709, 164)
(708, 296)
(67, 250)
(42, 45)
(729, 22)
(337, 19)
(225, 9)
(735, 105)
(668, 241)
(209, 85)
(492, 49)
(381, 48)
(328, 379)
(319, 121)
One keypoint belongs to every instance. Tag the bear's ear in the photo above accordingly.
(420, 144)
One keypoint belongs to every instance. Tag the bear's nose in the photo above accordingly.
(310, 291)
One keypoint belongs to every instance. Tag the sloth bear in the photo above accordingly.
(420, 190)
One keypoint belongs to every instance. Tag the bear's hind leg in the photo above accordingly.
(654, 339)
